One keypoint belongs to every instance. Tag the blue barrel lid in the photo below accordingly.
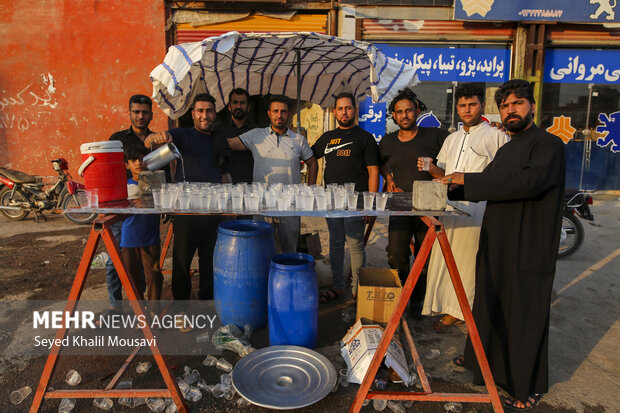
(293, 261)
(245, 228)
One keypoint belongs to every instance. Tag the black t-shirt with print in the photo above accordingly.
(402, 157)
(348, 153)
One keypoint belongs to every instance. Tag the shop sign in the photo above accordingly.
(582, 66)
(589, 11)
(452, 64)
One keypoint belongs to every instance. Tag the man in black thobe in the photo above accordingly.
(519, 238)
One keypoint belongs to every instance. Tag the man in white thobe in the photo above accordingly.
(469, 149)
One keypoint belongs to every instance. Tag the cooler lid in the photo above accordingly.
(101, 147)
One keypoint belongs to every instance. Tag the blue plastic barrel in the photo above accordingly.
(241, 261)
(293, 301)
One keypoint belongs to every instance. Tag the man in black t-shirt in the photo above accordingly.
(240, 164)
(399, 153)
(351, 155)
(140, 116)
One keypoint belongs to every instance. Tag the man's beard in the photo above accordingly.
(520, 125)
(411, 126)
(347, 123)
(238, 114)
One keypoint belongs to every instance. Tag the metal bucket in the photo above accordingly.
(161, 157)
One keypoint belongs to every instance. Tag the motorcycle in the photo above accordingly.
(21, 194)
(571, 238)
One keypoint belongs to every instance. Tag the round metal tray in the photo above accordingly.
(284, 377)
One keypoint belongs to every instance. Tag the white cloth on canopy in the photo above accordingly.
(462, 151)
(266, 63)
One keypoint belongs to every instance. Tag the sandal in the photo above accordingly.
(445, 322)
(532, 401)
(330, 295)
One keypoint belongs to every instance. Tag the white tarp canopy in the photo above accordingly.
(269, 63)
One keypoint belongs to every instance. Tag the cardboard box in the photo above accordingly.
(378, 291)
(360, 344)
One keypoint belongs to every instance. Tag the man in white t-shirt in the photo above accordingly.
(278, 152)
(469, 149)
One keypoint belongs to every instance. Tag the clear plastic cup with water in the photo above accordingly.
(222, 200)
(369, 199)
(271, 198)
(307, 200)
(352, 200)
(156, 192)
(339, 198)
(237, 201)
(321, 201)
(382, 198)
(185, 198)
(349, 187)
(252, 201)
(166, 199)
(283, 201)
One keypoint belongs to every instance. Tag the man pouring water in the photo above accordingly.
(202, 160)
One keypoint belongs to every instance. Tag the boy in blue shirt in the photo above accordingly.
(140, 235)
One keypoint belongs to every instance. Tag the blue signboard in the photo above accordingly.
(582, 66)
(372, 118)
(590, 11)
(450, 64)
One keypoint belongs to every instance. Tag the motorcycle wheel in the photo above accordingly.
(70, 201)
(572, 235)
(5, 200)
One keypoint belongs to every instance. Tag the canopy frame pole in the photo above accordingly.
(298, 58)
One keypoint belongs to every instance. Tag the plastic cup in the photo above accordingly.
(222, 364)
(344, 377)
(82, 198)
(382, 198)
(252, 201)
(426, 161)
(73, 378)
(93, 198)
(307, 201)
(222, 201)
(283, 202)
(339, 198)
(321, 201)
(20, 395)
(237, 201)
(184, 199)
(166, 199)
(352, 200)
(196, 199)
(271, 198)
(205, 201)
(156, 197)
(369, 199)
(350, 187)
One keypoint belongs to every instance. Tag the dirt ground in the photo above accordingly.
(39, 261)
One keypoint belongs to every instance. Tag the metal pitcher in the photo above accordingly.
(161, 156)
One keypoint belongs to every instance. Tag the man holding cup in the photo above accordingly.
(469, 149)
(397, 152)
(351, 155)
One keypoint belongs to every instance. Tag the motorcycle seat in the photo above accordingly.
(18, 177)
